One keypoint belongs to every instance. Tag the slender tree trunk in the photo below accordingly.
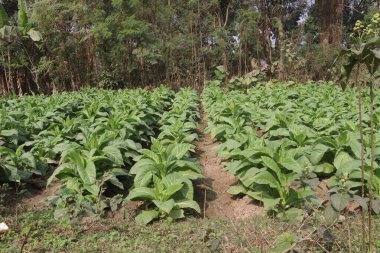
(10, 79)
(142, 72)
(3, 86)
(19, 84)
(225, 66)
(28, 83)
(193, 53)
(240, 49)
(6, 83)
(73, 84)
(281, 47)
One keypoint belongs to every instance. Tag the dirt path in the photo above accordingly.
(217, 181)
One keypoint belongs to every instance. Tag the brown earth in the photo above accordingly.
(38, 200)
(32, 196)
(216, 182)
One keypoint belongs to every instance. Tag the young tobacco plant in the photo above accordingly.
(169, 194)
(163, 174)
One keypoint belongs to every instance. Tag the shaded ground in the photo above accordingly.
(31, 195)
(38, 200)
(216, 182)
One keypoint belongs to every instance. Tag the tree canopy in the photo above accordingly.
(52, 45)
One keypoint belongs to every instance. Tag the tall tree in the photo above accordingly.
(331, 21)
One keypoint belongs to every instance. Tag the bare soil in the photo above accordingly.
(38, 199)
(32, 196)
(211, 192)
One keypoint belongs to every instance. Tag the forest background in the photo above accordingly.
(63, 45)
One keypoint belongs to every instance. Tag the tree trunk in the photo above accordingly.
(281, 65)
(19, 85)
(240, 49)
(331, 21)
(10, 79)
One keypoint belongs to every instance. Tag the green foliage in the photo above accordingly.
(3, 16)
(241, 83)
(170, 195)
(129, 43)
(92, 136)
(162, 160)
(281, 142)
(17, 165)
(163, 174)
(366, 44)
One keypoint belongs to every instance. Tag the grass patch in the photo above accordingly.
(44, 234)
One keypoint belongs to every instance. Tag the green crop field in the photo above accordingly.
(129, 162)
(309, 136)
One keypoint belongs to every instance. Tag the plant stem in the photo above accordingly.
(372, 168)
(361, 156)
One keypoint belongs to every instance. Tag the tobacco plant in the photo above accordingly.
(293, 141)
(164, 173)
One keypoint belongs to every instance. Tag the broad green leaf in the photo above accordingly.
(116, 182)
(185, 203)
(115, 154)
(35, 35)
(88, 173)
(363, 202)
(325, 168)
(65, 167)
(143, 193)
(284, 242)
(376, 206)
(29, 160)
(172, 189)
(75, 157)
(342, 158)
(195, 166)
(236, 189)
(290, 164)
(144, 178)
(143, 164)
(331, 215)
(93, 189)
(248, 177)
(271, 164)
(317, 153)
(265, 177)
(349, 167)
(176, 214)
(340, 201)
(146, 216)
(8, 133)
(180, 150)
(270, 203)
(165, 206)
(356, 148)
(151, 155)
